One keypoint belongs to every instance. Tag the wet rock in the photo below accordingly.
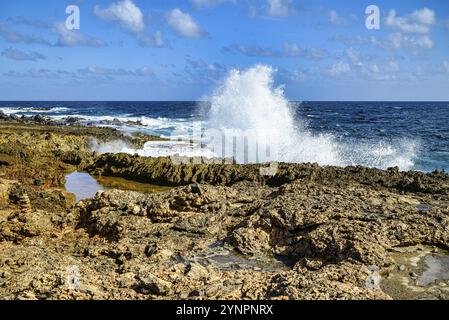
(3, 116)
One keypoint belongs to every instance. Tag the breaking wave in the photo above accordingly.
(250, 120)
(247, 106)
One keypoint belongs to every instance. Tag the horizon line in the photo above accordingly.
(3, 101)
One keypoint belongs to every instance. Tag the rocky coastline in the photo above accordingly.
(223, 231)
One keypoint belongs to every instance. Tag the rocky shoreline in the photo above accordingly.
(224, 231)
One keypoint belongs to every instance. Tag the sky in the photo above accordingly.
(180, 50)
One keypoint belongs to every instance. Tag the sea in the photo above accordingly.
(410, 135)
(248, 118)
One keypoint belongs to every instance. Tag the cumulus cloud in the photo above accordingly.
(419, 21)
(279, 8)
(202, 72)
(209, 3)
(184, 25)
(290, 50)
(19, 55)
(12, 36)
(125, 12)
(339, 68)
(252, 51)
(354, 57)
(88, 73)
(393, 41)
(155, 40)
(336, 19)
(400, 41)
(297, 74)
(39, 24)
(111, 72)
(64, 37)
(370, 67)
(293, 50)
(74, 38)
(37, 74)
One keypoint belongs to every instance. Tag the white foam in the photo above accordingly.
(248, 106)
(10, 111)
(248, 109)
(248, 103)
(153, 149)
(129, 124)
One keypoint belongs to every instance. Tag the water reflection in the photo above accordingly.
(85, 186)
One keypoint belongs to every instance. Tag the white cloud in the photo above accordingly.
(184, 25)
(313, 53)
(156, 40)
(400, 41)
(354, 57)
(209, 3)
(393, 41)
(279, 8)
(298, 75)
(125, 12)
(200, 71)
(88, 73)
(339, 68)
(292, 50)
(424, 16)
(392, 66)
(419, 21)
(15, 54)
(253, 51)
(335, 18)
(18, 37)
(370, 67)
(73, 38)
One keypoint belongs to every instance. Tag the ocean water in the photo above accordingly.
(412, 131)
(249, 119)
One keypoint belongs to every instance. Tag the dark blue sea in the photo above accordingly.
(413, 134)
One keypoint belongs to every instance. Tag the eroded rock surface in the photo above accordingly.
(174, 244)
(226, 232)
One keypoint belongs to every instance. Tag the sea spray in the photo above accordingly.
(250, 120)
(115, 146)
(248, 105)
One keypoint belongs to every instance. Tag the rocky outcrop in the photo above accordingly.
(245, 241)
(224, 232)
(164, 171)
(40, 155)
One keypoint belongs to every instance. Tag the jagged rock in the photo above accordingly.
(149, 283)
(308, 232)
(164, 171)
(197, 271)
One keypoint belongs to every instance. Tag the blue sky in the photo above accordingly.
(180, 50)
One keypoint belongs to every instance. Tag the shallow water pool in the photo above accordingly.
(85, 186)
